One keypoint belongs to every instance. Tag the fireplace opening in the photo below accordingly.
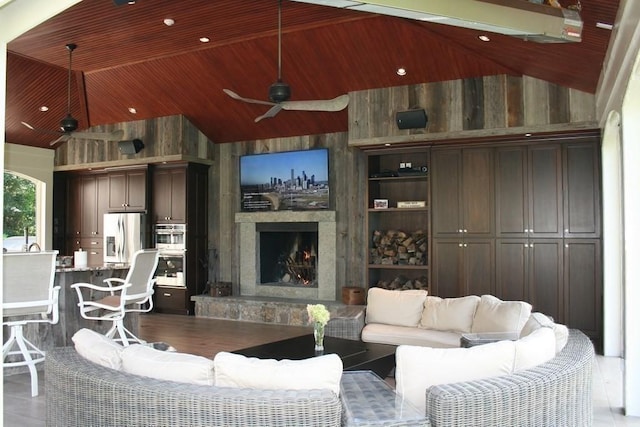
(288, 253)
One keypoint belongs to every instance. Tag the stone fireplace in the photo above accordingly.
(307, 233)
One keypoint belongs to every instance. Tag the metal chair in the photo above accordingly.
(131, 294)
(28, 296)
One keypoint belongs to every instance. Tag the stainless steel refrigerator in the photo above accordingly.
(124, 234)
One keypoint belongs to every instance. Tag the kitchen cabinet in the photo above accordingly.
(169, 195)
(399, 237)
(128, 190)
(170, 300)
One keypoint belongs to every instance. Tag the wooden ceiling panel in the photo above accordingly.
(129, 58)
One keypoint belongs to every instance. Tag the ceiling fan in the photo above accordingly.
(280, 92)
(68, 125)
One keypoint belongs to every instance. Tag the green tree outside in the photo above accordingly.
(19, 205)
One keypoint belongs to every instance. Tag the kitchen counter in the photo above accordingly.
(47, 336)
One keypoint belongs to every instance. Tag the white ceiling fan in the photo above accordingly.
(280, 92)
(69, 124)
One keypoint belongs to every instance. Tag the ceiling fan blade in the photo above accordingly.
(45, 131)
(336, 104)
(270, 113)
(64, 137)
(116, 135)
(249, 100)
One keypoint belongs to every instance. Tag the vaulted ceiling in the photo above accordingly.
(127, 57)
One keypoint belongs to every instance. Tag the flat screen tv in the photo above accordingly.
(289, 180)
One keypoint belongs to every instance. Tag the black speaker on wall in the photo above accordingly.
(411, 119)
(130, 147)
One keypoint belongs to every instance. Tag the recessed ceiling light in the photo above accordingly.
(169, 22)
(484, 38)
(401, 71)
(132, 110)
(604, 26)
(528, 135)
(387, 144)
(43, 108)
(205, 39)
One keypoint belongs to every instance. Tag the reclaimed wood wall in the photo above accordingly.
(346, 181)
(170, 138)
(469, 108)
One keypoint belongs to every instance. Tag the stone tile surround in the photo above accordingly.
(268, 310)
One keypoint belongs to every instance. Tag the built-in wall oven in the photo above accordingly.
(170, 242)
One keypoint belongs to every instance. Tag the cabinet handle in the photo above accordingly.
(460, 230)
(459, 245)
(93, 253)
(465, 230)
(566, 245)
(166, 294)
(465, 245)
(526, 245)
(531, 245)
(566, 230)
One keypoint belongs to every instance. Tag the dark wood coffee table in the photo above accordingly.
(355, 355)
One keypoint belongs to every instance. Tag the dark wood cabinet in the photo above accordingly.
(179, 194)
(128, 191)
(463, 190)
(463, 267)
(583, 286)
(169, 198)
(582, 206)
(528, 191)
(399, 237)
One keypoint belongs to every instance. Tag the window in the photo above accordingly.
(19, 216)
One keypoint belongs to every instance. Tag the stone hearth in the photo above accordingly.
(249, 255)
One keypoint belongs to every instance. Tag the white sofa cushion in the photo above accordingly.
(396, 335)
(98, 348)
(449, 314)
(539, 320)
(400, 308)
(142, 360)
(418, 368)
(235, 370)
(536, 348)
(495, 315)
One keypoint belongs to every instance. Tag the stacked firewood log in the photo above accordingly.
(397, 247)
(403, 284)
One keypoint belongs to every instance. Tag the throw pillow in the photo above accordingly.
(534, 349)
(449, 314)
(143, 360)
(98, 348)
(418, 368)
(400, 308)
(495, 315)
(536, 320)
(235, 370)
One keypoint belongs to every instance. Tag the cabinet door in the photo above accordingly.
(478, 267)
(178, 202)
(511, 192)
(117, 191)
(136, 190)
(89, 217)
(581, 190)
(545, 277)
(102, 184)
(512, 261)
(161, 199)
(583, 285)
(462, 192)
(545, 191)
(446, 172)
(74, 208)
(477, 192)
(447, 275)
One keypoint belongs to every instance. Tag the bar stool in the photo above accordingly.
(28, 296)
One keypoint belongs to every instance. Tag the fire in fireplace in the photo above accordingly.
(288, 253)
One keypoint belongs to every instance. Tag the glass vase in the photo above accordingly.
(318, 334)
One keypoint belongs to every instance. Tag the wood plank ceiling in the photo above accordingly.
(127, 57)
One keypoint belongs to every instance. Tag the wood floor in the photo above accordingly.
(206, 337)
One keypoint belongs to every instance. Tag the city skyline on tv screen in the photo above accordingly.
(291, 180)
